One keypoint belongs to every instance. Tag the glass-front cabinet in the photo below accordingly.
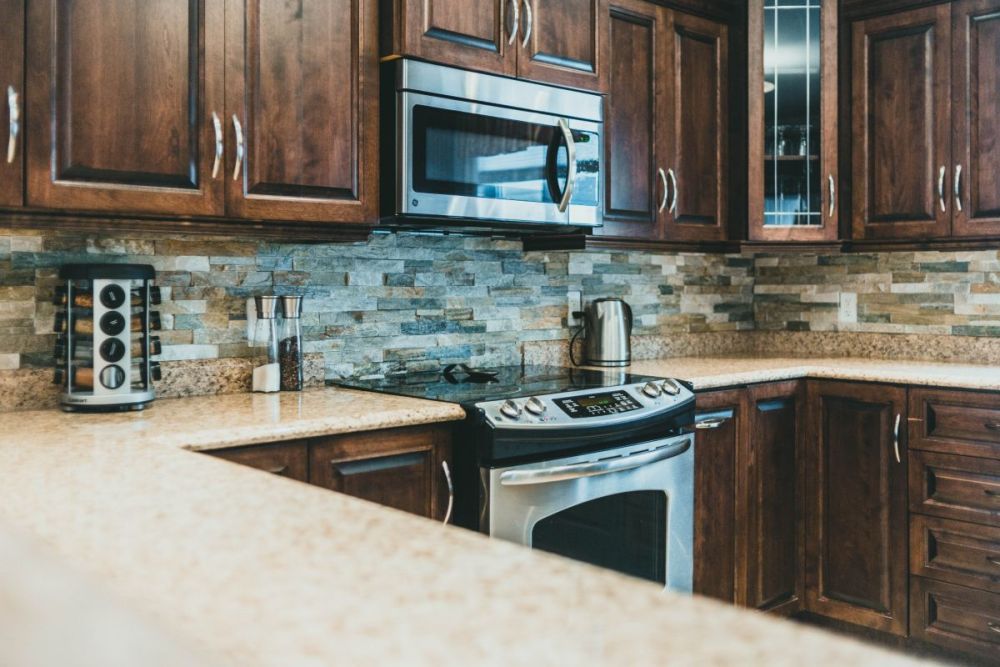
(793, 120)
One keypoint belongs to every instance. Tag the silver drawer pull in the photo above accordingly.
(991, 493)
(993, 560)
(714, 422)
(277, 471)
(451, 491)
(895, 438)
(993, 626)
(992, 426)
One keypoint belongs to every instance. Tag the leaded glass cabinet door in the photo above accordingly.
(793, 182)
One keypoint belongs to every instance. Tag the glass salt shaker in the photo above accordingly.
(265, 377)
(290, 344)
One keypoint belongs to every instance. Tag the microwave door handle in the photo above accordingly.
(592, 468)
(571, 161)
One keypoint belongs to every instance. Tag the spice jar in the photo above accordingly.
(290, 345)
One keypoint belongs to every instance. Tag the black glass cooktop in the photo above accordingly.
(466, 386)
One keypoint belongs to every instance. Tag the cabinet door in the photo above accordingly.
(901, 132)
(697, 138)
(472, 34)
(635, 186)
(120, 105)
(302, 81)
(285, 459)
(856, 567)
(562, 42)
(976, 122)
(11, 102)
(774, 543)
(718, 455)
(401, 468)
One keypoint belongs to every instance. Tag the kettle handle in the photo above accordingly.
(628, 313)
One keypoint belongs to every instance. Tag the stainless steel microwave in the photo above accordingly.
(480, 151)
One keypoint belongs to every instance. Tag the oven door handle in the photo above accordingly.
(592, 468)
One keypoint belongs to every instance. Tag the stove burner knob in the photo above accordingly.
(510, 409)
(534, 406)
(671, 387)
(651, 390)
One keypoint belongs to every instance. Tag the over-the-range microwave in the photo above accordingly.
(463, 150)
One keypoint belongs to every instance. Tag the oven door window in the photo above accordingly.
(459, 153)
(626, 532)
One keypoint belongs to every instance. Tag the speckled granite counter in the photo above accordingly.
(250, 569)
(714, 372)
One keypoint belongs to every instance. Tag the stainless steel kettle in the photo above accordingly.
(608, 325)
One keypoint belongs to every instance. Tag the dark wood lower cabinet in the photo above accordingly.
(287, 459)
(955, 617)
(856, 556)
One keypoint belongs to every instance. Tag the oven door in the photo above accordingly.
(462, 159)
(630, 509)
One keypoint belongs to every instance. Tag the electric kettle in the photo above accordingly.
(608, 325)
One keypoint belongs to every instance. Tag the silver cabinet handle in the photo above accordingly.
(219, 146)
(673, 180)
(993, 560)
(712, 422)
(571, 161)
(941, 175)
(895, 438)
(14, 109)
(240, 149)
(517, 21)
(528, 22)
(663, 180)
(993, 626)
(833, 194)
(451, 492)
(592, 468)
(958, 187)
(277, 470)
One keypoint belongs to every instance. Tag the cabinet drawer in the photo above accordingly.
(956, 552)
(955, 617)
(288, 459)
(955, 487)
(955, 422)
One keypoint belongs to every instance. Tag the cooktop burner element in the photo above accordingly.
(465, 385)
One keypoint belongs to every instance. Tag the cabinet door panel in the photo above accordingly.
(11, 79)
(718, 455)
(900, 125)
(775, 507)
(634, 191)
(856, 531)
(698, 138)
(976, 52)
(303, 81)
(564, 46)
(121, 98)
(472, 34)
(286, 459)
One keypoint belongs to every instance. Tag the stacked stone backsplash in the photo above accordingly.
(412, 302)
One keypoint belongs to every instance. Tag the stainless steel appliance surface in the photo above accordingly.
(608, 331)
(596, 465)
(474, 150)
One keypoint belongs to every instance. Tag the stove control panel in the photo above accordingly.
(597, 405)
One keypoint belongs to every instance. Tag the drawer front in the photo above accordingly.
(955, 617)
(955, 422)
(955, 487)
(287, 459)
(954, 551)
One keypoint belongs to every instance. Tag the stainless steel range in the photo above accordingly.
(593, 465)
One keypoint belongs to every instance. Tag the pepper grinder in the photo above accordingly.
(267, 377)
(290, 346)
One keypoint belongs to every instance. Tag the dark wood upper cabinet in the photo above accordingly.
(774, 541)
(793, 179)
(976, 118)
(474, 34)
(635, 186)
(718, 456)
(302, 82)
(901, 125)
(697, 137)
(11, 102)
(562, 42)
(120, 105)
(856, 562)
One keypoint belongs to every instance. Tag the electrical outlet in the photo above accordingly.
(574, 305)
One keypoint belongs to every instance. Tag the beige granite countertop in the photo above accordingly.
(714, 372)
(247, 569)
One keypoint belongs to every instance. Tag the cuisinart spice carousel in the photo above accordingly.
(104, 346)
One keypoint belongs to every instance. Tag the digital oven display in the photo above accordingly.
(597, 405)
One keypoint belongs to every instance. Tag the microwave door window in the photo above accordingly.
(471, 155)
